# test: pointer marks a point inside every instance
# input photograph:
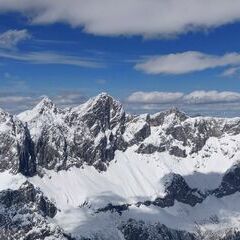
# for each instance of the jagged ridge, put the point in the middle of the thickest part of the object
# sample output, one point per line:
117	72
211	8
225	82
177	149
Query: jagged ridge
47	137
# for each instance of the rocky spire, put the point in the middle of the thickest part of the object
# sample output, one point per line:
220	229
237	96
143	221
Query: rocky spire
27	158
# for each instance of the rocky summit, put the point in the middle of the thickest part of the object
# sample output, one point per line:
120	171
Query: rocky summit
96	172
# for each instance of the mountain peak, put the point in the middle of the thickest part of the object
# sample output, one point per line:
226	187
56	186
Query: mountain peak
98	101
44	107
45	102
102	96
101	110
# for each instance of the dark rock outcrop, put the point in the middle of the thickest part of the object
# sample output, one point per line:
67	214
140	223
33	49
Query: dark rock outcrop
27	194
114	208
177	189
24	215
139	230
27	159
230	182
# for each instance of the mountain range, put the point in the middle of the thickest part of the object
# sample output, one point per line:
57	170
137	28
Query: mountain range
97	172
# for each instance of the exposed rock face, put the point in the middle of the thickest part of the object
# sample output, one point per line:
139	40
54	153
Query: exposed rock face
139	230
92	132
27	159
231	235
186	132
24	215
16	147
25	195
230	182
177	189
114	208
99	124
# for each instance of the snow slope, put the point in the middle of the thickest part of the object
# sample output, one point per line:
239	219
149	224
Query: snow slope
131	178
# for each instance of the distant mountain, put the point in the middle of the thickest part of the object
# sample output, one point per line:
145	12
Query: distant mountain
97	172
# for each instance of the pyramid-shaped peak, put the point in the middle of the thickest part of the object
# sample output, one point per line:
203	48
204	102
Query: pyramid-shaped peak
102	96
100	101
45	107
45	103
102	110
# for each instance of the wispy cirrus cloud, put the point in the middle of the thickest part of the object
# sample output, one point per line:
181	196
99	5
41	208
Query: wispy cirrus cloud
45	57
8	50
149	18
186	62
12	38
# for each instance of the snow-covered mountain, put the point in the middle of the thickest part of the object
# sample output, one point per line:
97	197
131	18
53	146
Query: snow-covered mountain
97	172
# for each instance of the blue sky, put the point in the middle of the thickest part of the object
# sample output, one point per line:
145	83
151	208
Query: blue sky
174	59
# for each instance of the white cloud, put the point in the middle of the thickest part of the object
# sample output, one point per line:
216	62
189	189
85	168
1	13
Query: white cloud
69	98
17	101
51	58
154	97
198	102
195	97
205	97
14	99
161	18
186	62
11	38
230	71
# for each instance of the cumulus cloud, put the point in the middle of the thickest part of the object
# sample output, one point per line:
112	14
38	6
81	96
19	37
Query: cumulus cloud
186	62
148	18
195	97
199	97
11	38
211	103
51	58
198	102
